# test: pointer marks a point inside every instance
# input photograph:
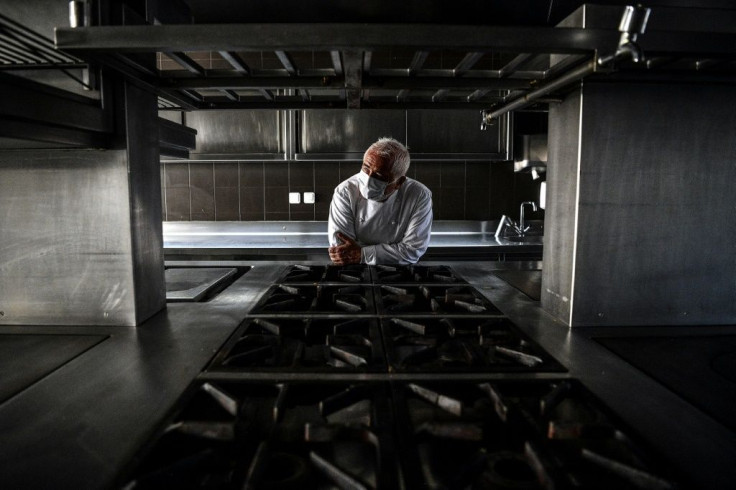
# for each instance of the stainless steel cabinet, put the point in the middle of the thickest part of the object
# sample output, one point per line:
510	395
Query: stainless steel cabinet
340	134
429	134
331	133
237	135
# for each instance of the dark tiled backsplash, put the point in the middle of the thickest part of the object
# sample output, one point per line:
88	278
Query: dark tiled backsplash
258	191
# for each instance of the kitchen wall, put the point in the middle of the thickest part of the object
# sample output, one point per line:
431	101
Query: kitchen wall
239	187
258	191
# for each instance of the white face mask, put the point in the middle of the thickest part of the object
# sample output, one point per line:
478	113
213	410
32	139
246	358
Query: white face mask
372	188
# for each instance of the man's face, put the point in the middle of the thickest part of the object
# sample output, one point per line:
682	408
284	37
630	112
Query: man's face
380	168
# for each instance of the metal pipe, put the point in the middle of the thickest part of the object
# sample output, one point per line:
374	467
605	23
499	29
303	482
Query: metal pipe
573	75
633	22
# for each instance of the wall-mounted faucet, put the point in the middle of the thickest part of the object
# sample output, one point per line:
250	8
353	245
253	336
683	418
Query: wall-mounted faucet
521	217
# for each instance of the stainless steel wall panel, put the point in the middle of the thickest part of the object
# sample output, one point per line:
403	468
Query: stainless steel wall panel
657	202
236	132
173	116
343	131
560	213
144	205
652	238
452	131
82	241
65	246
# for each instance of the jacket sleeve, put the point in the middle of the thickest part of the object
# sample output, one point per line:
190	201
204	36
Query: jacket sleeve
413	244
341	218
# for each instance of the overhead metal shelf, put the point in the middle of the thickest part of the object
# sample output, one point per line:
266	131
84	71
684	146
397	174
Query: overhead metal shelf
403	66
22	48
301	66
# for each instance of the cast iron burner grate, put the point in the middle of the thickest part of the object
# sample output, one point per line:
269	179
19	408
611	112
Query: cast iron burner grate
413	274
307	344
288	299
452	434
438	300
463	344
235	435
515	434
309	274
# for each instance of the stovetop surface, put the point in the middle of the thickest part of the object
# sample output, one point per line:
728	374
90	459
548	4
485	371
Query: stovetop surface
532	434
327	383
86	423
379	274
378	319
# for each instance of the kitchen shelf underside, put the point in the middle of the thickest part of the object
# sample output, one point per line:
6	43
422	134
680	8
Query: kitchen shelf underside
363	66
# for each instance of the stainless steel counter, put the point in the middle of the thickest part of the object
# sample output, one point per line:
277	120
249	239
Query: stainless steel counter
80	425
309	239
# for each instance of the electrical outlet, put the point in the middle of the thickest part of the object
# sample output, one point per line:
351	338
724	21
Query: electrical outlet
294	198
309	198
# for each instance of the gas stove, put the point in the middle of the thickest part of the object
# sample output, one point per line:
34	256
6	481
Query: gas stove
411	274
388	378
515	434
309	274
467	344
276	436
432	300
382	274
381	344
285	299
315	344
531	434
378	319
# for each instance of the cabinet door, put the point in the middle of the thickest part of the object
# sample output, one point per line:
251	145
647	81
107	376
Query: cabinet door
236	132
348	133
454	132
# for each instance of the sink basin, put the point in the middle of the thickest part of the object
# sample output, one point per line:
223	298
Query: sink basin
525	239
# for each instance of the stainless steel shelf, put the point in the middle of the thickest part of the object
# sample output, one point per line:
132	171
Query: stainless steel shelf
381	65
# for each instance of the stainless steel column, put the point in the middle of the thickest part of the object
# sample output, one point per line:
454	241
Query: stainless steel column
639	223
80	230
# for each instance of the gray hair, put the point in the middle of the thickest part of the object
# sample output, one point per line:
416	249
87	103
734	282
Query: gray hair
394	152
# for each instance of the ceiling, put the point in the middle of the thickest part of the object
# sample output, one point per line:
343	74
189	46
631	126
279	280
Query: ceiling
461	12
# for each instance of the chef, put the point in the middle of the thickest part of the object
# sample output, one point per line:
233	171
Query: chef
379	215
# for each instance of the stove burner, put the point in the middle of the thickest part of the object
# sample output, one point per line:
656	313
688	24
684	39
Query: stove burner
264	429
348	273
285	299
355	274
464	343
457	434
507	470
429	434
452	300
302	273
410	274
297	435
316	344
283	471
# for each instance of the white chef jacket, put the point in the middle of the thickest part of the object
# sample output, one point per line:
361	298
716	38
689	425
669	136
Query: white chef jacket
395	231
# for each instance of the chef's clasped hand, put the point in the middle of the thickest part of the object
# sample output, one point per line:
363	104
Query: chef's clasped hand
348	252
